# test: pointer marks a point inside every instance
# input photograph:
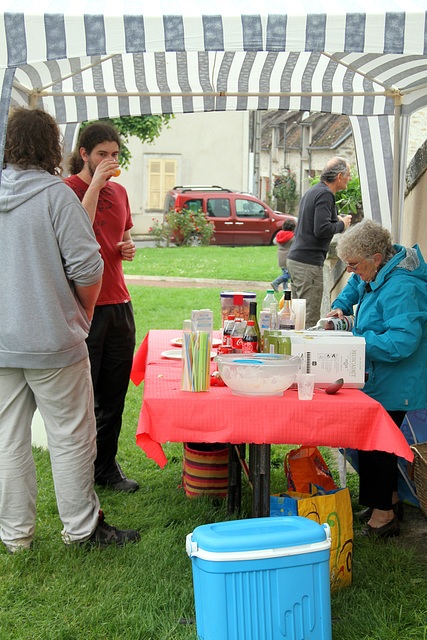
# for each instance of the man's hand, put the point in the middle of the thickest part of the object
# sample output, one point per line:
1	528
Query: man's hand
103	172
127	249
347	221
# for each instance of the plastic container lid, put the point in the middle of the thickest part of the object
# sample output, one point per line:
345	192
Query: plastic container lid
256	538
266	359
231	294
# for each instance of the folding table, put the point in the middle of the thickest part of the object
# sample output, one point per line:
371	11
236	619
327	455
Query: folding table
349	418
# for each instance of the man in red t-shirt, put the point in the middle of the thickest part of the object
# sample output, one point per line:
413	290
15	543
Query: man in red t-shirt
111	340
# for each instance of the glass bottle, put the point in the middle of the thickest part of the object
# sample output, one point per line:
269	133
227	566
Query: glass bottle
335	324
250	341
287	315
253	316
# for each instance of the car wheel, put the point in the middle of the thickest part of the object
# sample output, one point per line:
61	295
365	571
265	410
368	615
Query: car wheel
194	241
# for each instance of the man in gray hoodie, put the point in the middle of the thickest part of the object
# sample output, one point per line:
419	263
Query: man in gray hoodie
51	274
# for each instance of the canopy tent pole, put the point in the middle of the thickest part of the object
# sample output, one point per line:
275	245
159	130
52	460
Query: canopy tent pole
395	205
42	93
404	138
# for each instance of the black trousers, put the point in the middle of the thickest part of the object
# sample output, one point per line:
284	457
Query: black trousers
378	474
111	344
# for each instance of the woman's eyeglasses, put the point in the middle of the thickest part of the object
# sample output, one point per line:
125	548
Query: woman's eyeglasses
352	266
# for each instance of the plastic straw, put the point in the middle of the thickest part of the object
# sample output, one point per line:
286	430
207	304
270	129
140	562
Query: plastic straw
196	361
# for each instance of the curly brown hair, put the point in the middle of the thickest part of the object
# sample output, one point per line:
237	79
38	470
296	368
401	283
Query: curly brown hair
33	139
362	240
92	135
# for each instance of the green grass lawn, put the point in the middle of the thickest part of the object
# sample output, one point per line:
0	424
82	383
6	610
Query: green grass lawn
143	591
225	263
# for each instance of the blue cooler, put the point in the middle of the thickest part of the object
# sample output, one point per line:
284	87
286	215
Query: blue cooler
261	579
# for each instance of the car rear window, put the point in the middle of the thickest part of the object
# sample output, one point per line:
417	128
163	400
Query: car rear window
194	205
169	203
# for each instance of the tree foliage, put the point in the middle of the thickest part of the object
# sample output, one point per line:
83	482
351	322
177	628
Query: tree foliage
285	191
146	128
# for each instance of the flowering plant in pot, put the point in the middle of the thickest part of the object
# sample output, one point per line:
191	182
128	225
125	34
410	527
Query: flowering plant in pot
183	227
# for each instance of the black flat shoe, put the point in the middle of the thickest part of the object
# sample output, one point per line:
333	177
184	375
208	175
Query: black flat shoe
366	514
125	485
389	530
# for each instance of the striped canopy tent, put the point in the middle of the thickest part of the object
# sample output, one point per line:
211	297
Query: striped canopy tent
89	59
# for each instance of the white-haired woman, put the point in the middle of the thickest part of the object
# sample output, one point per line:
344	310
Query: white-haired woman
389	286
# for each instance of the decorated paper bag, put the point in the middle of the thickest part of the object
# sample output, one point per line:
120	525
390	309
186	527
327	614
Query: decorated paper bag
334	508
305	466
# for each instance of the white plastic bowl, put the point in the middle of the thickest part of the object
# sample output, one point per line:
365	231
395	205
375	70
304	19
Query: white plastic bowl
258	374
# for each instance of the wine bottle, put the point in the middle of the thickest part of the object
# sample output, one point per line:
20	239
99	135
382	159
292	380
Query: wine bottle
253	316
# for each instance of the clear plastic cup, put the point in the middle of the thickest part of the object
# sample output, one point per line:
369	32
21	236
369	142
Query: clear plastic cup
305	386
299	306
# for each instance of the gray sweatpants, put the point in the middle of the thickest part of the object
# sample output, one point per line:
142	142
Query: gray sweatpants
307	282
64	398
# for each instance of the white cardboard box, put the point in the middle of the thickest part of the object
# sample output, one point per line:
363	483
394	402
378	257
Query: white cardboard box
331	355
202	320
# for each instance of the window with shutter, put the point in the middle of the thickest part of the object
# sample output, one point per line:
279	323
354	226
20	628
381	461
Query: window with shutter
161	177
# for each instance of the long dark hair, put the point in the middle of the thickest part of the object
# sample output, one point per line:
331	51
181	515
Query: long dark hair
33	139
90	136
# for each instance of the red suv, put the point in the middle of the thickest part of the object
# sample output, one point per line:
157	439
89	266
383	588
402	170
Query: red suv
239	218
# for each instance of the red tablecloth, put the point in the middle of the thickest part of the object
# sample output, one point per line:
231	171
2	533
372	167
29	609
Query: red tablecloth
348	419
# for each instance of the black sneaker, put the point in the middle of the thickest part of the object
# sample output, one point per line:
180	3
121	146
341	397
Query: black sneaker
106	535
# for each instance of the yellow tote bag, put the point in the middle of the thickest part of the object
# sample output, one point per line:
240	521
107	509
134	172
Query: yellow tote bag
334	508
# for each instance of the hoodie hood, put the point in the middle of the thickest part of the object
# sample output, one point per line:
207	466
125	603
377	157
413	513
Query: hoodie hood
284	236
19	185
408	259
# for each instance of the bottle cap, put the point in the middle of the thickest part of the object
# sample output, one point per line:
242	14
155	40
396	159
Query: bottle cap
230	317
251	323
287	295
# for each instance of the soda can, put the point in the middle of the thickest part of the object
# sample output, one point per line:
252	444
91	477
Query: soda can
224	348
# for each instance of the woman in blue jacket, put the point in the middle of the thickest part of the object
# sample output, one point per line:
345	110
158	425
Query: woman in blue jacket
389	286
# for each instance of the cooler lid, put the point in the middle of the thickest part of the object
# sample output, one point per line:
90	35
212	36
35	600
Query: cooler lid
292	534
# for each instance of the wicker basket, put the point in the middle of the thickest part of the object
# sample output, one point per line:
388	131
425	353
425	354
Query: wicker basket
420	473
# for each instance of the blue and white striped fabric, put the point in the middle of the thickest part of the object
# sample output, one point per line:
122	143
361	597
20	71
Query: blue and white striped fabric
89	59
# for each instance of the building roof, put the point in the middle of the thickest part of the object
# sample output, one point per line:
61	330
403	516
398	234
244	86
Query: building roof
328	130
